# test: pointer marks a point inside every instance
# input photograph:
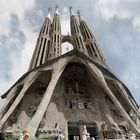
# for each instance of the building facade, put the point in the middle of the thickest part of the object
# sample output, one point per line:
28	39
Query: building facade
72	96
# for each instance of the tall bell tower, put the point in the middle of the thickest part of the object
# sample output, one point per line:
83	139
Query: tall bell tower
71	96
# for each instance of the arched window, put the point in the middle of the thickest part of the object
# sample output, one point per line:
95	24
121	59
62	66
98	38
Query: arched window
66	47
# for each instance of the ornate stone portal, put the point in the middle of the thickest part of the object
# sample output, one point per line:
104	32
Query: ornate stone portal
72	96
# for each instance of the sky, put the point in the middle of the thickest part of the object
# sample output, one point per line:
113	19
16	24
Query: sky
114	23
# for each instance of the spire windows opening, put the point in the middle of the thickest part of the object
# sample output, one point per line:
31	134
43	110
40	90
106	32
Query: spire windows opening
44	27
97	50
55	38
93	49
44	45
89	50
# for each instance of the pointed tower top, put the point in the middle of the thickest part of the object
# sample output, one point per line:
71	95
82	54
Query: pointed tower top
49	12
79	15
71	11
57	9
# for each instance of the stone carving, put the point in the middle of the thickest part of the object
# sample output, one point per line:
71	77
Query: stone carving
104	126
108	100
58	134
14	114
40	90
111	131
74	82
55	131
32	109
68	103
86	135
132	136
13	117
115	127
133	116
116	113
74	103
82	103
76	138
90	104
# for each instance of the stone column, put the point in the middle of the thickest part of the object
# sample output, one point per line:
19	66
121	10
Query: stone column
81	129
125	97
8	99
99	76
98	129
30	80
34	123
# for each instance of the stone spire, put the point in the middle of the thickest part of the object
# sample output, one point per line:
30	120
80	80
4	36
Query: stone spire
57	9
55	49
76	33
79	16
71	11
41	51
49	13
90	41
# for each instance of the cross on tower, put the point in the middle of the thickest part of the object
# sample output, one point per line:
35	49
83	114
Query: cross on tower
67	48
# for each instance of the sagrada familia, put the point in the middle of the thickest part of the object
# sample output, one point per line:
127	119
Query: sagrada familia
71	96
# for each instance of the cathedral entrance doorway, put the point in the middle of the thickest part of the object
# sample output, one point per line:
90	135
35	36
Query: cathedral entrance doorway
73	131
91	129
84	131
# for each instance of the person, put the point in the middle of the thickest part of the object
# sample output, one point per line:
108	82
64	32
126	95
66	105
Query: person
1	136
24	135
132	136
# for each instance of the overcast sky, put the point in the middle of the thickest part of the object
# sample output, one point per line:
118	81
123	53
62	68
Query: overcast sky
114	23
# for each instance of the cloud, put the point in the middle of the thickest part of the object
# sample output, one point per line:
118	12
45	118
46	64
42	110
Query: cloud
13	37
126	9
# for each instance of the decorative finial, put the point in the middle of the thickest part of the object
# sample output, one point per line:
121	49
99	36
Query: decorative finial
57	9
71	11
79	15
49	12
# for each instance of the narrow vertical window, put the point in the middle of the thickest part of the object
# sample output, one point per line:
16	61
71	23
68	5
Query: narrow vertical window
93	49
44	45
39	51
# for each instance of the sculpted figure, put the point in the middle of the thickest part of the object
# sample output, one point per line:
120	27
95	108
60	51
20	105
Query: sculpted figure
133	116
86	135
68	103
80	104
115	127
132	136
104	127
90	104
32	109
74	103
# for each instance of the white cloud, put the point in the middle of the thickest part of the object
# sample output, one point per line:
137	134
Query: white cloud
8	7
65	21
122	9
17	59
136	23
20	62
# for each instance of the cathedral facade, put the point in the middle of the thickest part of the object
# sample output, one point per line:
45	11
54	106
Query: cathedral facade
73	96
